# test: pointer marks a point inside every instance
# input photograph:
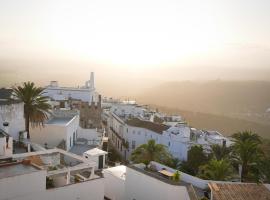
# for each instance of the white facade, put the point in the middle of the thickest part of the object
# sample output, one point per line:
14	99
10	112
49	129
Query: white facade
137	136
125	183
6	145
144	187
115	182
28	181
14	115
96	156
176	138
55	131
86	93
127	109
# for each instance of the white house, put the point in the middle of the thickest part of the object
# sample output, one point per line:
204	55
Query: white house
127	135
97	156
46	175
86	93
62	127
6	145
11	113
133	182
130	126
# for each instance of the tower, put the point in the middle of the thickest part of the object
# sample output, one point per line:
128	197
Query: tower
92	81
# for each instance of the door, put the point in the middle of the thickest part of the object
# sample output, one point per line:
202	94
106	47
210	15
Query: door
100	162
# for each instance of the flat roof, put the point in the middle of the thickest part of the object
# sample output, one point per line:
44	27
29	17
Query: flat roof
59	120
16	169
118	171
95	152
239	191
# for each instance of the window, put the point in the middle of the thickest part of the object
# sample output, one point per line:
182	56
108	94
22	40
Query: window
127	130
133	144
169	143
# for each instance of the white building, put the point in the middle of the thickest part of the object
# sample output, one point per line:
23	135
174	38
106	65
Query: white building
133	182
127	135
86	93
130	126
49	175
97	156
12	113
6	145
62	127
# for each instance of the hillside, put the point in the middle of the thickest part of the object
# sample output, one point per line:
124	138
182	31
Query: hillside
238	99
225	125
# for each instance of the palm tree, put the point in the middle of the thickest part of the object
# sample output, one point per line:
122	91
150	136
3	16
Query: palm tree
220	152
246	151
36	107
151	151
219	170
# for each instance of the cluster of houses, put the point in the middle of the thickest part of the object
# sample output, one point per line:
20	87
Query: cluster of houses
131	125
66	158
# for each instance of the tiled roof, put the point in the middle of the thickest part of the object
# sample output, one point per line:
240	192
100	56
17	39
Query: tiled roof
158	128
239	191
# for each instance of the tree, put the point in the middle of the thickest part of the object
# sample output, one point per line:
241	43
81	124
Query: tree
151	151
196	158
246	151
219	170
220	152
36	107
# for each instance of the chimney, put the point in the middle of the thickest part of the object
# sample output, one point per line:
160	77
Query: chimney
99	100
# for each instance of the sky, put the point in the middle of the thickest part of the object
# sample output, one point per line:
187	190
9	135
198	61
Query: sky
133	44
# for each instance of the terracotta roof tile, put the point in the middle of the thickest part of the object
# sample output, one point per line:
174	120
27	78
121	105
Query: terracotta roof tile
239	191
158	128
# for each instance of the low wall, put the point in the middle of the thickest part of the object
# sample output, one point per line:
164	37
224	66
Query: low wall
200	183
89	134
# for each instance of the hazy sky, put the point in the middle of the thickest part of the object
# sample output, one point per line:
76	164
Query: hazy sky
133	43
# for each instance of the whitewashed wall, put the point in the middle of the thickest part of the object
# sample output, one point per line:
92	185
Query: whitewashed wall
23	186
53	134
114	186
200	183
14	114
75	93
33	186
140	136
143	187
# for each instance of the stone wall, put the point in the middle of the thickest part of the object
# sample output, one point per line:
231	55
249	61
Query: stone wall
90	115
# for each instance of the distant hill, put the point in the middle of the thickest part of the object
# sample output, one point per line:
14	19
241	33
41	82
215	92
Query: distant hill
239	99
226	106
224	124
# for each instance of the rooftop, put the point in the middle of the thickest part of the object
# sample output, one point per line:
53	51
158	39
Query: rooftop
16	169
60	120
95	152
158	128
118	171
5	97
239	191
